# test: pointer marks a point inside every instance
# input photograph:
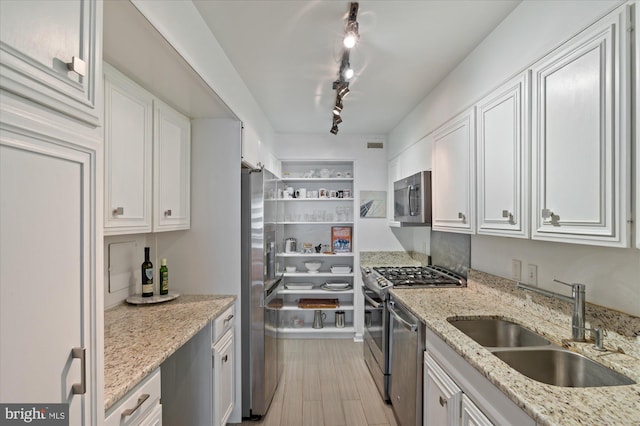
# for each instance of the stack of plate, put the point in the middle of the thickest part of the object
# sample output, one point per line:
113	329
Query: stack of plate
336	286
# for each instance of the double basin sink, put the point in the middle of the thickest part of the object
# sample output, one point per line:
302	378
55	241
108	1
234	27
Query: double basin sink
536	357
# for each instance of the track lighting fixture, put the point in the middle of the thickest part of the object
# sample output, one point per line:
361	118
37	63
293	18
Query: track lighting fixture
345	73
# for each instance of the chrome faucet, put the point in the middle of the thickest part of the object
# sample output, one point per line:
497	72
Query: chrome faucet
577	298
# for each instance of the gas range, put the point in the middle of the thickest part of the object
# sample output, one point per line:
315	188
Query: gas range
382	278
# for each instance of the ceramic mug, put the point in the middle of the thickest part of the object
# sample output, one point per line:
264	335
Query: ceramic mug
301	193
323	193
333	194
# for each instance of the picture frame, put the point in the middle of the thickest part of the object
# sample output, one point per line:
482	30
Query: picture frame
373	204
341	239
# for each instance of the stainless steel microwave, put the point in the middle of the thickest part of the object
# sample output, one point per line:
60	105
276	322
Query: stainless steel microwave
412	199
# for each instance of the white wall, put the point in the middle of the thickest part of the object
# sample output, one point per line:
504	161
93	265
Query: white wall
370	175
180	23
533	29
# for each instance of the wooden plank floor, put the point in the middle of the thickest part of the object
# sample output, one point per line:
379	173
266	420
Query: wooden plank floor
325	383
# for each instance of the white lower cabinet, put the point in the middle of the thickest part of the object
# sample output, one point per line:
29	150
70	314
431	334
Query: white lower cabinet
470	414
223	378
441	405
140	406
455	393
223	382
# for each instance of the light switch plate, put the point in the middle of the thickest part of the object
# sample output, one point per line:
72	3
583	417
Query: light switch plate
516	269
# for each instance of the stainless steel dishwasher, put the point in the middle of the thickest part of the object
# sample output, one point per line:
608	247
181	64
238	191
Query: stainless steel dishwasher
407	348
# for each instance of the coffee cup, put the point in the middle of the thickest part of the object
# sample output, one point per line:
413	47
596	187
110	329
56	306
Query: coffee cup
333	194
323	193
301	193
338	174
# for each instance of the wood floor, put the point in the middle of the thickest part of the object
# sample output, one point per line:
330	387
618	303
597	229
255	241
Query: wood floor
326	382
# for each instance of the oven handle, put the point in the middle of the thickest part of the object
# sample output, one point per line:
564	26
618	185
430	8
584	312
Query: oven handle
407	325
369	299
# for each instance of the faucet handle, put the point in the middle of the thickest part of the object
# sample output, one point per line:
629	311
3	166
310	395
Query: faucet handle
573	285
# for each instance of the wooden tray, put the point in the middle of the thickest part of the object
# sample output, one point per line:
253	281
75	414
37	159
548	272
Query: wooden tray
318	303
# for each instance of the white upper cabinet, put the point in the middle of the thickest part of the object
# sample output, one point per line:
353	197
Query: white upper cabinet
171	169
128	153
453	176
49	53
580	137
502	160
250	146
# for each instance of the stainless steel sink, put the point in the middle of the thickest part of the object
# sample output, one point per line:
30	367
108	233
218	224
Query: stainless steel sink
561	368
498	333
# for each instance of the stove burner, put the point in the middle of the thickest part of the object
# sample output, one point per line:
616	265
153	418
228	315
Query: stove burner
419	276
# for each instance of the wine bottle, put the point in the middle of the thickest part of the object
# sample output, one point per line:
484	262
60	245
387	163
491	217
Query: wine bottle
147	275
164	277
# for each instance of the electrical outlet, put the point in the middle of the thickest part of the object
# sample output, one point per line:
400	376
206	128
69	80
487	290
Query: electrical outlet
516	269
532	274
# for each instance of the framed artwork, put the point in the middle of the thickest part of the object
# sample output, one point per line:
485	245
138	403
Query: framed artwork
373	204
341	239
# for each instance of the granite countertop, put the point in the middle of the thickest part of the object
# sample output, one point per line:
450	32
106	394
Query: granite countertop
138	338
487	295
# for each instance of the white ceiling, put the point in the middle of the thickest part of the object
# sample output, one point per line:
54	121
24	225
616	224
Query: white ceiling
288	54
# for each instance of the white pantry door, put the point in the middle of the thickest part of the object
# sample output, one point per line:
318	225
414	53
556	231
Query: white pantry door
45	267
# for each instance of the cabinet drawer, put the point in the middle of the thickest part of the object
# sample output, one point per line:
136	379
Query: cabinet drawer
142	400
222	323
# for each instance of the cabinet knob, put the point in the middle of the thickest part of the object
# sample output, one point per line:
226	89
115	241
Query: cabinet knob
78	66
167	212
118	211
443	402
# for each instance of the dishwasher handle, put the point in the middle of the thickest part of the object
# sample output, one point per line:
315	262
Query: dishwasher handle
368	298
402	321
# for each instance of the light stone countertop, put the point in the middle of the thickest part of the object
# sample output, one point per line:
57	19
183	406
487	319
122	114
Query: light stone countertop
138	338
488	295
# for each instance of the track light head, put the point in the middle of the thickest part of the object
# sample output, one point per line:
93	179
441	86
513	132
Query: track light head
351	35
334	129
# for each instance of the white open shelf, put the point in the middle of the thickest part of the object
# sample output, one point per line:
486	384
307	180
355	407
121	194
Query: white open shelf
319	223
316	291
293	306
329	179
326	331
319	274
349	254
318	199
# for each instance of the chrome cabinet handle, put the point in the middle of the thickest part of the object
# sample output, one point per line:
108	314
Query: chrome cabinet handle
141	401
81	354
167	212
78	66
507	214
443	402
461	216
375	304
549	216
227	319
225	358
118	211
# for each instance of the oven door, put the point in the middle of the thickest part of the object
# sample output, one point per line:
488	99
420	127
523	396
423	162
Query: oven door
376	324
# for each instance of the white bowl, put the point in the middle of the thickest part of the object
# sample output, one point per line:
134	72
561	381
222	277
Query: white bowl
312	266
290	268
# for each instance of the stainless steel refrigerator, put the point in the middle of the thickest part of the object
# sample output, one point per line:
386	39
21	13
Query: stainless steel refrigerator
261	278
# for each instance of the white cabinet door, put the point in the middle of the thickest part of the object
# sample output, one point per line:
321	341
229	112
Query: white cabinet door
154	418
453	175
441	396
171	169
502	161
48	279
580	137
223	379
38	39
471	414
251	150
128	153
416	158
